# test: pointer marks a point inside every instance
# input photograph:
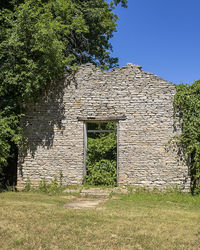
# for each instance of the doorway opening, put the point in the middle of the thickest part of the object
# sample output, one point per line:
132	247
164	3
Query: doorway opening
101	154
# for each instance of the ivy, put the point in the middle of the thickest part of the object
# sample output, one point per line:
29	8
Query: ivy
187	105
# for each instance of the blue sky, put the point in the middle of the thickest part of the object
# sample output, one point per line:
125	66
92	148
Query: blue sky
163	36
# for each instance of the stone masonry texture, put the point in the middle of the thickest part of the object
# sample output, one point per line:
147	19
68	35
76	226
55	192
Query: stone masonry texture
54	136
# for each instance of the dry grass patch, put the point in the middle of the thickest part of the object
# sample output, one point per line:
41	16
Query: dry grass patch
135	221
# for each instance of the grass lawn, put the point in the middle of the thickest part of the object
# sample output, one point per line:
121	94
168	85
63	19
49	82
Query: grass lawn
136	221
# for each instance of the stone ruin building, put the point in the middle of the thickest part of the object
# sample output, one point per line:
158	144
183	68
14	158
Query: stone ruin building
55	129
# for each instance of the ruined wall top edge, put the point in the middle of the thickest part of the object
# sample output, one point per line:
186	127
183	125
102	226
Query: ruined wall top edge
127	69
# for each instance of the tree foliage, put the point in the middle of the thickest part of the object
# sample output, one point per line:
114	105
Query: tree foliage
187	103
39	40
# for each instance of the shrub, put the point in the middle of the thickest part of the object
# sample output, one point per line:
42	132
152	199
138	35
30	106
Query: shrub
102	172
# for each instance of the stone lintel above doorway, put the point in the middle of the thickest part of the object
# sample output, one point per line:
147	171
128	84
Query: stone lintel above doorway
99	119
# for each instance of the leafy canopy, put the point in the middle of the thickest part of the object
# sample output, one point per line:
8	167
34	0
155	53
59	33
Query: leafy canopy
39	40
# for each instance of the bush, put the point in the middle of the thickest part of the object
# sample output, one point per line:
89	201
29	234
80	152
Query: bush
102	172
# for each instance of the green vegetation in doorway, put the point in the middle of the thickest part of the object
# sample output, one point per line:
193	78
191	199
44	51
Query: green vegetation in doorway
101	160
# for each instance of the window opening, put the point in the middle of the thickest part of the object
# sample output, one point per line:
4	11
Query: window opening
101	153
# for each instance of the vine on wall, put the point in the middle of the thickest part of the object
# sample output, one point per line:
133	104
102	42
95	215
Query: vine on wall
187	105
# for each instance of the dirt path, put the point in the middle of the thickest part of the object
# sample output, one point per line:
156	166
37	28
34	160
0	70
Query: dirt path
85	204
91	197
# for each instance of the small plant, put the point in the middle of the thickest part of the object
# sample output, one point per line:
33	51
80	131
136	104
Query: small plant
53	187
50	188
60	177
130	189
27	185
43	185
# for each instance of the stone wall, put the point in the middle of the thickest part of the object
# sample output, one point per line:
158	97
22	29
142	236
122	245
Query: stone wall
54	135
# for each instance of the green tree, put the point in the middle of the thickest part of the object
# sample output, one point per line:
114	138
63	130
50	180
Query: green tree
39	40
187	104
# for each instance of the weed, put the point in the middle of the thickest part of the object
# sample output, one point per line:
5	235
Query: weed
27	186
